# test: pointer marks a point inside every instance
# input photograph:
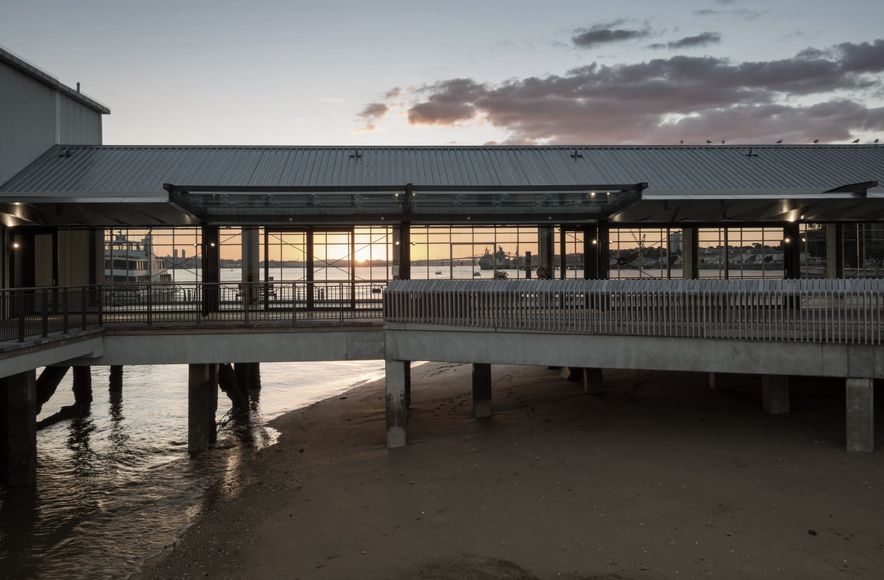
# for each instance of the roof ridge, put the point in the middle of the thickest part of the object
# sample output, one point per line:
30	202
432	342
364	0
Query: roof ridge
47	79
741	147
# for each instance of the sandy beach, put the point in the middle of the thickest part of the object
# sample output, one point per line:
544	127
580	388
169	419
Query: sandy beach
658	478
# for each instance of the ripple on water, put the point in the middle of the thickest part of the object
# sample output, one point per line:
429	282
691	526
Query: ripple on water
117	487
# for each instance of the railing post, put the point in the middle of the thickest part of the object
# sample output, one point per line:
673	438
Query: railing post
294	302
44	315
66	309
100	308
246	298
21	316
341	301
149	303
87	298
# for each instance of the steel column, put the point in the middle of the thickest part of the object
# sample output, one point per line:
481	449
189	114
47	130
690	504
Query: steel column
792	251
834	251
690	250
211	269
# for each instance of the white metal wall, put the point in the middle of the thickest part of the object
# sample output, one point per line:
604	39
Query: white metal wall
78	125
33	117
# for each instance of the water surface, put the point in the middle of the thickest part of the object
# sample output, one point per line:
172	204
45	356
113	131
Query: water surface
117	486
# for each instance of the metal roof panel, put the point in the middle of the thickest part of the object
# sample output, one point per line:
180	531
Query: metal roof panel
670	171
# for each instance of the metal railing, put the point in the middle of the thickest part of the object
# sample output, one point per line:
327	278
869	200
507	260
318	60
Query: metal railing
35	312
27	313
833	311
819	311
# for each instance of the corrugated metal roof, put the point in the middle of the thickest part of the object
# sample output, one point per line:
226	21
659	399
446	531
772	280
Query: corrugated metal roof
31	70
709	172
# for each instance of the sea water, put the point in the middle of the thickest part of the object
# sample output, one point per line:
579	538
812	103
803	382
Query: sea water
118	486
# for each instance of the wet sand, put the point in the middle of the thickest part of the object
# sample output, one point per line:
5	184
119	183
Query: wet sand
659	478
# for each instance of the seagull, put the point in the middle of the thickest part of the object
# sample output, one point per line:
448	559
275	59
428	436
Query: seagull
875	141
815	141
779	141
855	141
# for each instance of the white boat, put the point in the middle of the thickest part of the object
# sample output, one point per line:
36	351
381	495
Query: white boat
128	262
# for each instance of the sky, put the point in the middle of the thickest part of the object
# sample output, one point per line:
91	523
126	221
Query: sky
465	72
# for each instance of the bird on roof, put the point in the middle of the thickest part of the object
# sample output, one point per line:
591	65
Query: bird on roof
815	141
855	141
779	141
722	141
875	141
708	142
681	142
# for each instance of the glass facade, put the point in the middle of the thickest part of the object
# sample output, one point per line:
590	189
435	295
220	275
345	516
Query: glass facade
644	253
863	250
443	252
741	252
368	253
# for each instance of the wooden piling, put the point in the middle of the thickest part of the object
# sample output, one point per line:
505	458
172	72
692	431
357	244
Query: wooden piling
18	429
83	386
116	379
47	384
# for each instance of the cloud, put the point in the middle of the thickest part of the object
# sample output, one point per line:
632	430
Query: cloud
863	57
702	39
371	113
373	110
668	99
449	102
742	13
606	34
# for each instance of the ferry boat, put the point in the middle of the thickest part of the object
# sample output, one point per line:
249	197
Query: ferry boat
130	262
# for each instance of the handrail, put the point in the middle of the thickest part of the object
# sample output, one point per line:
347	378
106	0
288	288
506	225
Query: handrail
37	312
845	311
823	311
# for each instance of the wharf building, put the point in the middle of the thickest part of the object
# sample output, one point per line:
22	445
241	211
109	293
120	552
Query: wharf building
236	255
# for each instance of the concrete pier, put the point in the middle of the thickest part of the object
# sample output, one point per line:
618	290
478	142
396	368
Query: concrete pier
116	379
775	394
396	384
407	385
18	429
481	390
860	394
593	381
721	381
202	402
